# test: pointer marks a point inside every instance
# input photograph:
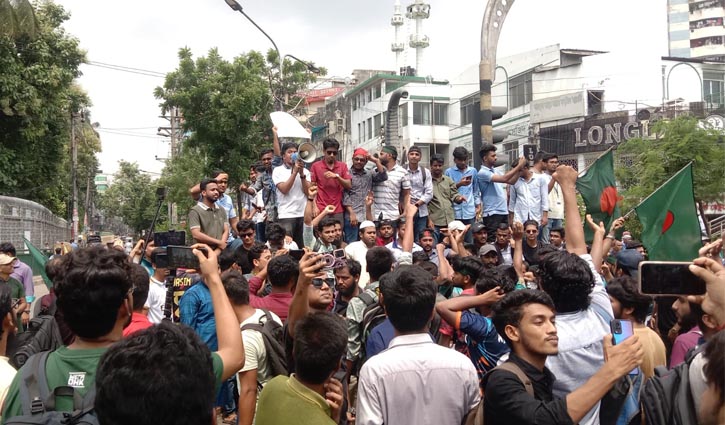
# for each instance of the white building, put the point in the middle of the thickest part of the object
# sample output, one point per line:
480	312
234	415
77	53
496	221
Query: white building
695	29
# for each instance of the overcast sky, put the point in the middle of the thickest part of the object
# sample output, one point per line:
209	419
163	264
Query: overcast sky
340	35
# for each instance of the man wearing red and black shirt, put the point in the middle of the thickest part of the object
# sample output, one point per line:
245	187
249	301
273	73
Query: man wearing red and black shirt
282	272
331	177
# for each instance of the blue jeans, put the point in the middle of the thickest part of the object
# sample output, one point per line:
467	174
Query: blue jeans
351	232
225	397
420	223
553	223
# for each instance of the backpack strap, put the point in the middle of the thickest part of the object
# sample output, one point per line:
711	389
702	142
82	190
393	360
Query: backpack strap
367	299
267	316
516	370
34	384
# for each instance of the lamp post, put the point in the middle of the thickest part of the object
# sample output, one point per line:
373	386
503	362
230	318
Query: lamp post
493	18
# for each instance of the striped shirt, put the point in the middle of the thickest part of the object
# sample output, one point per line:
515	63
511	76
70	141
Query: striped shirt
421	188
362	183
387	193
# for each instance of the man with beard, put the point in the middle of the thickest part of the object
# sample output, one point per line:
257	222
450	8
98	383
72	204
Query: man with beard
489	256
224	201
503	244
357	250
362	183
386	233
207	221
480	235
392	195
427	240
346	282
331	177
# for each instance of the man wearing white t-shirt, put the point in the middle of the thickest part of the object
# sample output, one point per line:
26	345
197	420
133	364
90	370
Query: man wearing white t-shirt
359	249
256	370
292	181
157	289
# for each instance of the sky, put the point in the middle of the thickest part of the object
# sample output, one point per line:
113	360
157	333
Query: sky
340	35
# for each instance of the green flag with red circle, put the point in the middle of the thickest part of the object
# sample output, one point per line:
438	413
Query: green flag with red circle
670	227
599	191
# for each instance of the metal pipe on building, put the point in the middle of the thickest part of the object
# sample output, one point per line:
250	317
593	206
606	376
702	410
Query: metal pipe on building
391	118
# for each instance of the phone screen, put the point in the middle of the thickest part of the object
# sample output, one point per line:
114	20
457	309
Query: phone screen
181	257
296	253
669	278
621	330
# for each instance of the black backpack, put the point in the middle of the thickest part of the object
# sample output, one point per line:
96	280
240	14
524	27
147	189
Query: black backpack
273	335
42	334
666	398
373	315
39	402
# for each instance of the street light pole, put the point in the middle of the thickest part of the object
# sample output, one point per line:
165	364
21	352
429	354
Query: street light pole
234	5
493	18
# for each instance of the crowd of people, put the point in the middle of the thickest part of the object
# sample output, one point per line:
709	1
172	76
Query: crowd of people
390	294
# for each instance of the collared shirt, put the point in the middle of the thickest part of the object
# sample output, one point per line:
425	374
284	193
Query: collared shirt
581	352
433	256
388	193
440	207
357	251
362	183
466	210
286	401
443	381
421	188
505	256
355	309
556	198
210	220
24	274
507	402
398	251
197	312
493	194
156	300
265	184
329	191
292	204
225	201
529	199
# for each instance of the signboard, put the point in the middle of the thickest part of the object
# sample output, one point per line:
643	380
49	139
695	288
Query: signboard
591	135
530	153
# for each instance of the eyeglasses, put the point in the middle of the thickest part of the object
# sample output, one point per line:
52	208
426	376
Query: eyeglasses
331	152
318	281
247	235
532	231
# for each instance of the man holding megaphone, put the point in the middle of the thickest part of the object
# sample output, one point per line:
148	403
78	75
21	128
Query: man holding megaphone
331	177
292	183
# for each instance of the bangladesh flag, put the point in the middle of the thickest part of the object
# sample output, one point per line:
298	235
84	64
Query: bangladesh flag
40	259
599	191
670	227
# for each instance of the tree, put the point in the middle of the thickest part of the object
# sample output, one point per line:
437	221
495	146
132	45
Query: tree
37	96
650	162
131	197
17	19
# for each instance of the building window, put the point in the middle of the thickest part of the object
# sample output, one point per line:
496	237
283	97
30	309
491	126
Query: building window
468	106
421	113
370	129
520	90
354	103
369	94
440	114
377	122
713	87
360	132
706	41
403	114
702	23
378	90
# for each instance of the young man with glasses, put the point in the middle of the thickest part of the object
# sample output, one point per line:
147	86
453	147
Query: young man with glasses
331	177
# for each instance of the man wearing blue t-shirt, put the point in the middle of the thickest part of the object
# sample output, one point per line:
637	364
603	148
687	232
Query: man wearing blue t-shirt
493	190
467	184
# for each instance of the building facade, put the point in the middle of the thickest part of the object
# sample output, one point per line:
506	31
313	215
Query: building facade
696	30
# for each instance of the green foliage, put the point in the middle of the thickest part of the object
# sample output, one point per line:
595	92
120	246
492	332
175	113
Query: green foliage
131	197
17	19
654	161
36	97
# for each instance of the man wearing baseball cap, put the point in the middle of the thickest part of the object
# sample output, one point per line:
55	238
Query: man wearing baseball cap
357	250
480	235
353	200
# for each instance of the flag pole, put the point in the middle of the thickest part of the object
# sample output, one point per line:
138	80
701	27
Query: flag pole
658	188
582	172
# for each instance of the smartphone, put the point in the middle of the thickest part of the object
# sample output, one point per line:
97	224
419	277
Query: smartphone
669	278
339	253
171	237
296	253
181	257
621	330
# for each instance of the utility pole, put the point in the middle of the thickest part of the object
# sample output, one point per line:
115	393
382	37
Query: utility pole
74	174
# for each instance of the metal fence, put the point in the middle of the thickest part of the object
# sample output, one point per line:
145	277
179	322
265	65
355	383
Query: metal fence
20	218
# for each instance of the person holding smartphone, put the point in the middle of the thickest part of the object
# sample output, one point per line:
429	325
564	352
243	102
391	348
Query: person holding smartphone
466	180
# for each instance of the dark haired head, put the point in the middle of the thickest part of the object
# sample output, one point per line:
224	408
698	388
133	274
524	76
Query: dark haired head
714	369
503	276
515	162
460	153
204	182
539	156
437	158
419	257
265	151
53	267
287	146
559	230
236	287
503	226
509	310
155	254
6	304
548	156
545	250
140	279
187	368
379	261
352	266
624	289
327	222
430	267
409	295
215	173
320	341
275	233
8	248
226	259
567	279
486	148
281	269
468	266
255	253
330	142
528	223
243	225
92	285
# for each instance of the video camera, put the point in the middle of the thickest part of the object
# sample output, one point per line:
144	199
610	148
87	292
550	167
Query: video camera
177	257
172	237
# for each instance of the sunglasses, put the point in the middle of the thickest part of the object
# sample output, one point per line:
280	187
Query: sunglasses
318	282
532	231
247	235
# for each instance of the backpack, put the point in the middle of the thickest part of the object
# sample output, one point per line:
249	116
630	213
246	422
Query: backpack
273	336
42	334
666	398
39	402
476	415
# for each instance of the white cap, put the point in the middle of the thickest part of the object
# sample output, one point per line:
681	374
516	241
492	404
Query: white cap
366	224
456	225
